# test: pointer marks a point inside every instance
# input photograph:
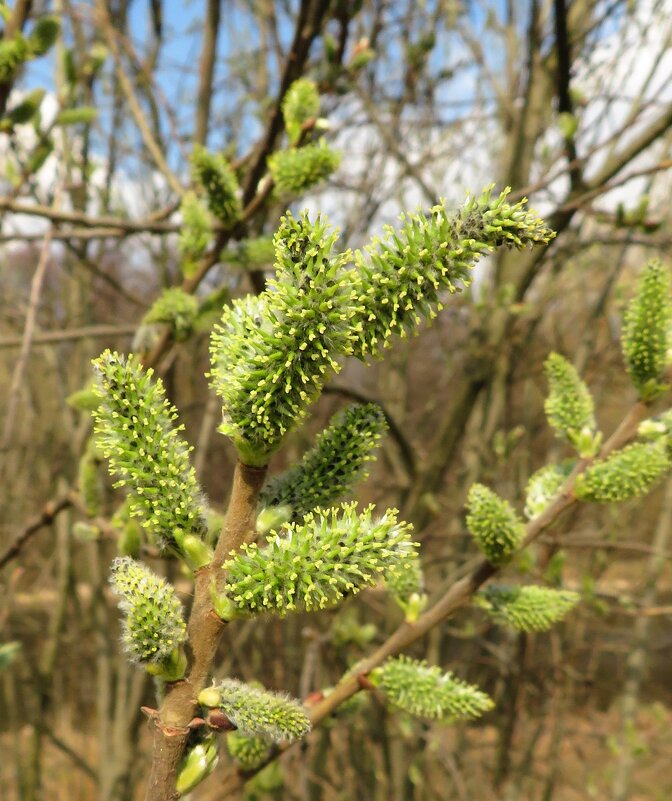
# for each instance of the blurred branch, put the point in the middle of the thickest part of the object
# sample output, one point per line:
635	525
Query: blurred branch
45	518
206	70
26	341
71	334
150	224
138	115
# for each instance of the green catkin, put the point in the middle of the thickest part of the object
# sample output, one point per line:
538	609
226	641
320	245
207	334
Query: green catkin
312	565
153	625
23	112
135	430
494	524
544	485
297	170
427	692
257	712
272	354
14	53
569	406
625	474
90	484
251	254
195	232
213	173
300	104
250	752
43	36
528	608
407	587
646	331
198	763
402	275
333	466
175	308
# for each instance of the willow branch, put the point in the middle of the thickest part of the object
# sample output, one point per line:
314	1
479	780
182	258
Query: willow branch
45	518
203	632
457	596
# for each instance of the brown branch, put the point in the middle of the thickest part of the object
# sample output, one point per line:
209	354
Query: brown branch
150	224
203	632
206	70
45	518
72	334
308	25
26	342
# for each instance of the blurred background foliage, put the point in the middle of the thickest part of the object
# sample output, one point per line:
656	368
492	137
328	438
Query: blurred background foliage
566	101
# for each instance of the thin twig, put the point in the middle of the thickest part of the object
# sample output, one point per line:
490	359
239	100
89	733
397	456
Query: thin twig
133	103
72	334
45	518
26	341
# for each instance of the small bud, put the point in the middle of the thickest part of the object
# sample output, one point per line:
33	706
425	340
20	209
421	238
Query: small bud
273	517
196	553
209	697
197	765
172	668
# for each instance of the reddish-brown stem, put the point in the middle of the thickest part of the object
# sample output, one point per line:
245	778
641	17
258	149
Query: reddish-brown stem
203	631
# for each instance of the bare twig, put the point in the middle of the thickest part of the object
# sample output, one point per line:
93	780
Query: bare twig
133	103
45	518
26	341
91	331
